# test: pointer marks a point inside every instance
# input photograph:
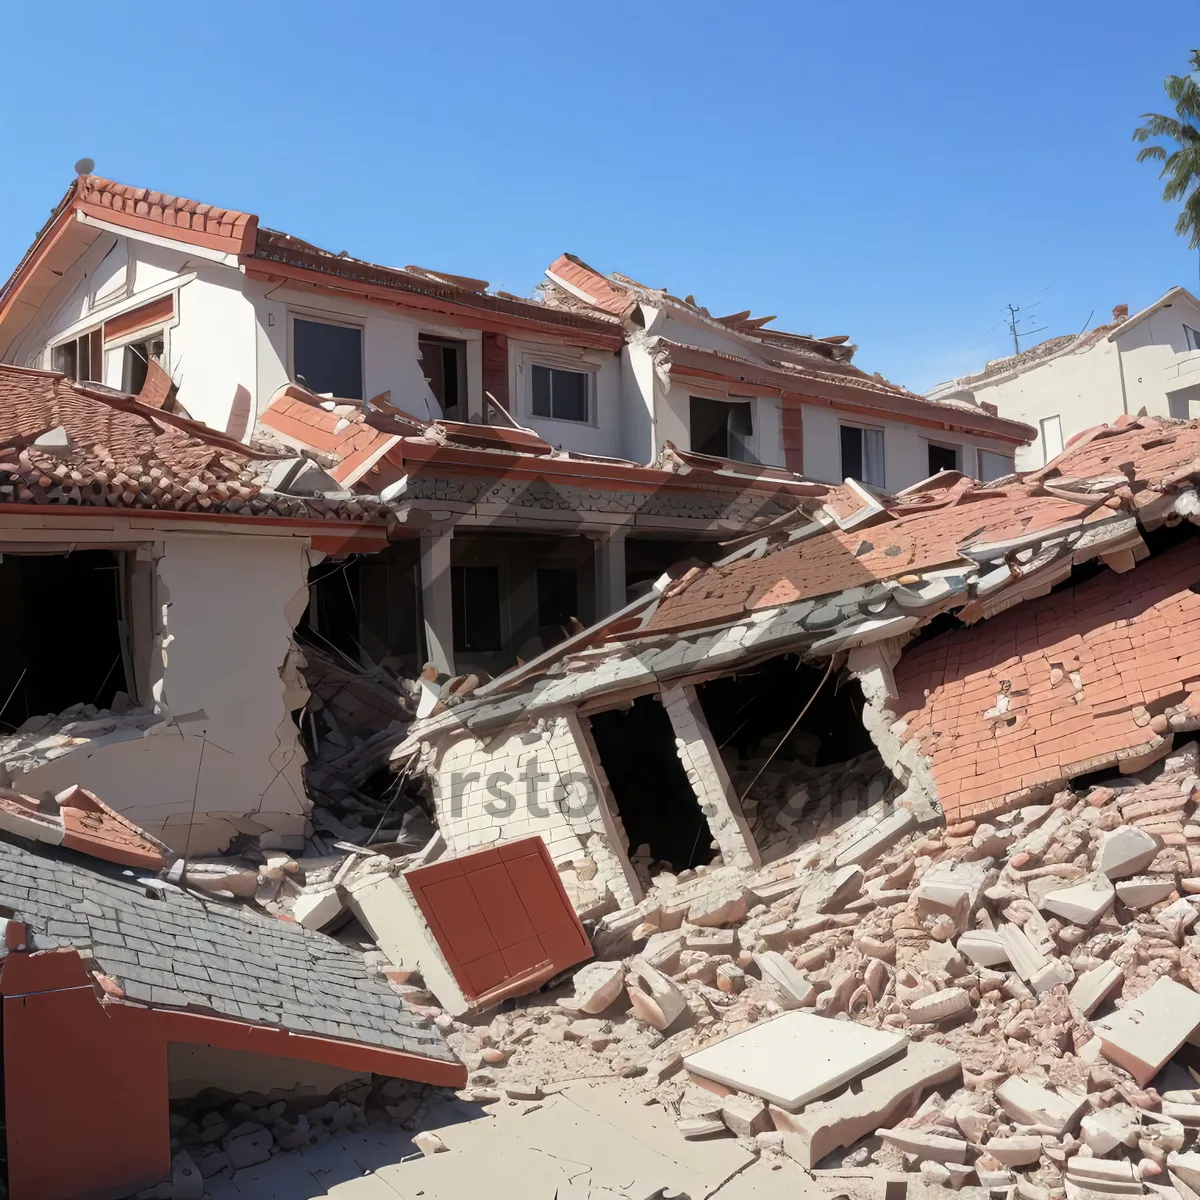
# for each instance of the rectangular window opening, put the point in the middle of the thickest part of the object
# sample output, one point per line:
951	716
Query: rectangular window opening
557	596
722	428
327	358
136	358
1191	337
862	454
558	393
942	458
444	365
475	608
82	358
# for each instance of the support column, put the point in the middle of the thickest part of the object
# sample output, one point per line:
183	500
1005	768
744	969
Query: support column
710	781
437	610
610	573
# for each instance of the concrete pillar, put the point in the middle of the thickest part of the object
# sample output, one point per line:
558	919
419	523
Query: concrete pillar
437	609
706	772
610	573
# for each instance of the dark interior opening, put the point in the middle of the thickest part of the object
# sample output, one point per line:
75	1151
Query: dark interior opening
722	428
63	619
654	798
942	458
557	596
752	711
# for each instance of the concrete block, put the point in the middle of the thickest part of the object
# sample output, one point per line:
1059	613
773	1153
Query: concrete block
745	1117
941	1006
1082	902
1026	959
1057	971
1145	890
926	1146
319	908
983	947
655	999
1144	1034
795	1058
1019	1151
1029	1103
597	985
792	987
885	1096
867	844
1093	986
1183	912
1124	851
1103	1131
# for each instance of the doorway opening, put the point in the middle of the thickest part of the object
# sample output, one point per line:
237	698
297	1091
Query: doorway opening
655	801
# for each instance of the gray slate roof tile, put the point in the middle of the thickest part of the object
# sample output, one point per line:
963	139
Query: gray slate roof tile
180	951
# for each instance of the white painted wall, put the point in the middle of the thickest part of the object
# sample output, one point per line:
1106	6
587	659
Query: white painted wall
604	432
905	447
227	606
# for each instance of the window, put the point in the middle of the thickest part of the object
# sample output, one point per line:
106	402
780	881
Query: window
993	465
560	394
722	428
862	454
1052	442
136	360
942	458
475	607
444	364
1192	337
557	596
82	358
327	358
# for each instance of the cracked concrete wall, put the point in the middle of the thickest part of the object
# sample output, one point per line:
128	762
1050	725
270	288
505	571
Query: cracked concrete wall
541	781
223	756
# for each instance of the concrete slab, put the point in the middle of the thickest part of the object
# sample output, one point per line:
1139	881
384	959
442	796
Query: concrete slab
1148	1030
1029	1103
795	1058
881	1098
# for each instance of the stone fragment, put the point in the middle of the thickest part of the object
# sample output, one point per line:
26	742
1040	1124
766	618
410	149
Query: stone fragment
792	988
720	905
655	999
1082	902
248	1149
1018	1151
1144	1034
923	1145
1182	913
1093	986
1124	851
881	1097
1029	1103
941	1006
983	947
1057	971
597	986
1105	1130
320	907
1143	891
429	1143
698	1127
745	1117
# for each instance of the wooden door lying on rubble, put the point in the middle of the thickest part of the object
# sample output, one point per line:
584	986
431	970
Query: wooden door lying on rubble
502	919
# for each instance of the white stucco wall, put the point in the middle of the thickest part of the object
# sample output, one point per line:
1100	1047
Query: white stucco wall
226	607
905	447
603	433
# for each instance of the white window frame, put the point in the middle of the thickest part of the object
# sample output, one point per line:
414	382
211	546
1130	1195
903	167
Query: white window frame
980	451
316	317
65	339
528	362
882	483
1056	418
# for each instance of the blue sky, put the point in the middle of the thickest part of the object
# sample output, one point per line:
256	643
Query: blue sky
895	172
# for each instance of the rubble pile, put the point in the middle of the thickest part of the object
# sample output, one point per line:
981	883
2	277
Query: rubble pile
43	738
353	720
216	1133
1034	973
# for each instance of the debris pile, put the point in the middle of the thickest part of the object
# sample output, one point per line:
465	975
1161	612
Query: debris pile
353	720
1027	987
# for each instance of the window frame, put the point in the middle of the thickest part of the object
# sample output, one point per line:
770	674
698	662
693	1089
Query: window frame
320	318
97	331
444	342
957	451
575	368
1047	457
1191	338
863	428
980	451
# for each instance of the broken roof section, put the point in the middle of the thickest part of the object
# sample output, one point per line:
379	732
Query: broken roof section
93	204
800	367
982	718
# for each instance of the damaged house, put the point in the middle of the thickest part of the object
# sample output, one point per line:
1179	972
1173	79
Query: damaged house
979	642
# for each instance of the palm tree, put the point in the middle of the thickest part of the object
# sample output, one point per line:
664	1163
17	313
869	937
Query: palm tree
1181	167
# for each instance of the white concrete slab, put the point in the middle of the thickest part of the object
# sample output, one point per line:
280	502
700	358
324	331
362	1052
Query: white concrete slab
1148	1030
795	1058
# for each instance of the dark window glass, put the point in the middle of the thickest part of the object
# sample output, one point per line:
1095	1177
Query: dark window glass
557	590
560	394
721	428
942	458
475	605
443	363
65	359
852	452
328	358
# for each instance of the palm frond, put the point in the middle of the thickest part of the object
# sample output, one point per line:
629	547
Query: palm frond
1155	152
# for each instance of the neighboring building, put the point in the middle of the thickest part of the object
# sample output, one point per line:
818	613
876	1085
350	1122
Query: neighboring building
1148	362
730	386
